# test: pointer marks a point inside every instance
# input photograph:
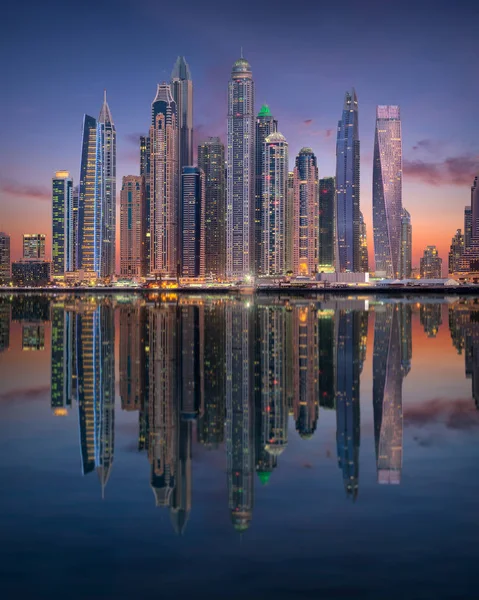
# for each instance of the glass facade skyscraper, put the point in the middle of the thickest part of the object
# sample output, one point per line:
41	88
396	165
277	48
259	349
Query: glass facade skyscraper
4	258
192	222
132	227
327	208
273	209
63	232
240	175
406	245
97	195
211	160
387	191
182	91
363	245
305	214
347	187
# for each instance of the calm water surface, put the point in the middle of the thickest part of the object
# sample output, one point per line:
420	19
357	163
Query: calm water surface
215	447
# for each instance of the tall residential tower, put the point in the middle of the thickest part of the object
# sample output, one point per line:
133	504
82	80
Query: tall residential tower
347	187
240	202
63	234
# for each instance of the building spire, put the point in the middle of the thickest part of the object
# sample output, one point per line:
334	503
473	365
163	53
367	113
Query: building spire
105	113
241	52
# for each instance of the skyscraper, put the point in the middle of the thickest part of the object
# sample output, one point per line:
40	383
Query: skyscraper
387	191
132	227
164	233
240	203
62	348
305	214
34	246
327	208
97	195
347	187
145	162
456	251
211	160
63	231
467	226
107	134
266	124
4	258
363	245
288	225
475	209
182	92
431	263
406	245
273	205
192	243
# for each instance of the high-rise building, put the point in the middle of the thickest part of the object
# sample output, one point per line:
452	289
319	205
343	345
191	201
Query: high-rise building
132	227
387	394
240	173
347	187
182	92
75	196
305	214
475	209
63	231
406	246
31	273
133	356
387	191
430	315
33	337
327	208
107	133
192	243
4	258
97	195
273	205
164	230
145	156
211	160
363	245
5	316
467	226
327	358
455	252
34	246
266	124
430	263
288	224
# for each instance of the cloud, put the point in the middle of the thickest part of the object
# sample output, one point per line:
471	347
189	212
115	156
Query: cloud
35	192
133	138
308	122
32	393
455	170
428	145
460	414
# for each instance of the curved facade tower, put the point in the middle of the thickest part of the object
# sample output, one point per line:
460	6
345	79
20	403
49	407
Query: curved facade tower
273	206
347	187
305	214
107	133
164	184
387	191
240	173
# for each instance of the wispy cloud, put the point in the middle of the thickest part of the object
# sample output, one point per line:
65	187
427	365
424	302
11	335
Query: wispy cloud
133	138
431	146
36	192
455	170
32	393
308	122
458	414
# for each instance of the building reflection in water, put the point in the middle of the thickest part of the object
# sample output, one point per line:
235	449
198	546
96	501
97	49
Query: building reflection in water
230	372
388	373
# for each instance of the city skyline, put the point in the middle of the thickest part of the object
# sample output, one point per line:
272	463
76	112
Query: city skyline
437	160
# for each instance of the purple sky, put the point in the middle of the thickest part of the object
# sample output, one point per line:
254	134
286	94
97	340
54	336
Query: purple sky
424	56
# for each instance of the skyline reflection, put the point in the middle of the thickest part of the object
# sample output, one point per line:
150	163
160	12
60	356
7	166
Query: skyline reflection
237	376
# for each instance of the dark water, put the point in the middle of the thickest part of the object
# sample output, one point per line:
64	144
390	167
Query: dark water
239	448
